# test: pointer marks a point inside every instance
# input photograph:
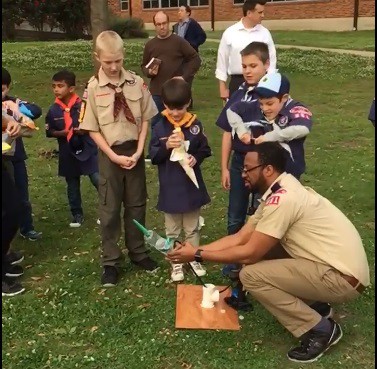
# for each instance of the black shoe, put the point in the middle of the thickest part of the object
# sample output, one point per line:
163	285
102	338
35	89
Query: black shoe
238	304
31	235
77	220
110	276
14	257
147	264
314	344
14	271
11	288
323	308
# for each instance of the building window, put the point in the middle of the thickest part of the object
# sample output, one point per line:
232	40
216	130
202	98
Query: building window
236	2
152	4
123	4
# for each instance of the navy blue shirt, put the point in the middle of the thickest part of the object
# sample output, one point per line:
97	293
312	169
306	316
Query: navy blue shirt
177	193
69	166
33	111
372	113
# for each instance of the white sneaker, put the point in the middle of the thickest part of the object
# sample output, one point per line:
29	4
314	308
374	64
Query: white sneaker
177	273
198	268
98	222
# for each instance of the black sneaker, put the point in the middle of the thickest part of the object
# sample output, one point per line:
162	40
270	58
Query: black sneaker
323	308
238	304
77	220
14	257
314	344
110	276
11	288
14	271
147	264
31	235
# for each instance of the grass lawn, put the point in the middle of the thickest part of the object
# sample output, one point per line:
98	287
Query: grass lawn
66	320
360	40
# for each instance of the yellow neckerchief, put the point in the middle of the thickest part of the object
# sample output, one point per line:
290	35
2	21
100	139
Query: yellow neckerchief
187	120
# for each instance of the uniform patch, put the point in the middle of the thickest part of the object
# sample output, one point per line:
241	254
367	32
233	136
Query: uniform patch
130	82
283	121
301	112
273	200
195	130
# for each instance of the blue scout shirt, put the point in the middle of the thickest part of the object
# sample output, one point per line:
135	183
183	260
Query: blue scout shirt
372	113
32	111
178	194
248	105
69	166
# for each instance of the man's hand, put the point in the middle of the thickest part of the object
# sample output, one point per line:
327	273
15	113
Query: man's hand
191	161
225	179
246	138
154	70
13	128
182	254
259	140
174	141
224	92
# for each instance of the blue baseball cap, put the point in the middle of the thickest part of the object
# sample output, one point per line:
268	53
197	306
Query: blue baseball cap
272	85
82	147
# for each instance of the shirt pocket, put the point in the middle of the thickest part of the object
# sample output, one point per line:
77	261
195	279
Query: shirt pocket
105	109
134	101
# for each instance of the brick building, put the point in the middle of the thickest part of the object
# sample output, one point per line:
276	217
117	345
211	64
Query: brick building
331	15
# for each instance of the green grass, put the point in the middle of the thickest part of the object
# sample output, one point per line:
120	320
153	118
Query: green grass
66	320
360	40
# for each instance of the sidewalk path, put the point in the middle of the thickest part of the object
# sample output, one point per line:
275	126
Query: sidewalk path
368	54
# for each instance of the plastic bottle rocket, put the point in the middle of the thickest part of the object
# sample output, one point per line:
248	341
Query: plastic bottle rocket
153	239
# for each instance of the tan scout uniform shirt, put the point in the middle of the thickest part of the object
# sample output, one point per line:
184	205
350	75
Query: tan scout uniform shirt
309	226
99	115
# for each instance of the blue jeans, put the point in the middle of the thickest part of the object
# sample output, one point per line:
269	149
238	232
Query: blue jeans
22	185
160	106
238	195
74	193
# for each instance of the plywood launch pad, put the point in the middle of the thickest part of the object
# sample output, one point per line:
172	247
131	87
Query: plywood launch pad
190	315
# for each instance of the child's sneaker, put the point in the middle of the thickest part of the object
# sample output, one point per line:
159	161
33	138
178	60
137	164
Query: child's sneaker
77	220
198	268
177	273
31	235
10	287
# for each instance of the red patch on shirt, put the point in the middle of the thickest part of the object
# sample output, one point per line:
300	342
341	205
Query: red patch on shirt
273	200
301	112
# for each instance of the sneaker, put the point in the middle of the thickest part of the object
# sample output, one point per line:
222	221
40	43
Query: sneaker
177	273
110	276
14	271
11	288
147	159
314	344
14	257
147	264
324	309
77	220
198	268
238	300
229	269
31	235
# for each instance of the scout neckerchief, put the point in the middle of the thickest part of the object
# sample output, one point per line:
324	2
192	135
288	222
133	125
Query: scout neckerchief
68	124
187	120
121	103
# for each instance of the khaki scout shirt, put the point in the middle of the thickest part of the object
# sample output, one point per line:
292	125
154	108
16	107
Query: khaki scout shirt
309	226
99	115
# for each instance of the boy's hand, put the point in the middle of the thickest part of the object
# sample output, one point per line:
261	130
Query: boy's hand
191	161
123	161
9	104
154	70
133	161
174	141
246	138
225	179
259	140
13	128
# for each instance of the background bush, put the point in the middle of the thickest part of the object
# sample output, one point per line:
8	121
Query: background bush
128	27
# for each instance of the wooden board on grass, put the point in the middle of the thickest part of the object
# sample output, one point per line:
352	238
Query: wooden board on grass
190	315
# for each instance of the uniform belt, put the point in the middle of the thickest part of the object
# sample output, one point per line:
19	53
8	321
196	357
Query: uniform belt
354	283
237	75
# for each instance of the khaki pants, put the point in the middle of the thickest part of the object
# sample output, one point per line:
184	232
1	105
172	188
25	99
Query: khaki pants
189	222
286	286
119	186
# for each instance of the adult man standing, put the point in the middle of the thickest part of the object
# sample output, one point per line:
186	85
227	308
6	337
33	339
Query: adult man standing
176	55
324	256
236	38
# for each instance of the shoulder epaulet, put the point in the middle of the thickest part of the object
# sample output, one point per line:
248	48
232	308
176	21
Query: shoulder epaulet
131	71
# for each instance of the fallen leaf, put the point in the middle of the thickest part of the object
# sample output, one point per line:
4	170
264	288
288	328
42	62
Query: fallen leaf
36	278
93	329
144	306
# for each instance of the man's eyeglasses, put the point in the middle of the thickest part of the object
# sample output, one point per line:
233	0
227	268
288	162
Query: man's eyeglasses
244	170
161	24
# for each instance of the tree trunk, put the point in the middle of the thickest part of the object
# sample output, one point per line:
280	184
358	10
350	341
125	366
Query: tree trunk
98	21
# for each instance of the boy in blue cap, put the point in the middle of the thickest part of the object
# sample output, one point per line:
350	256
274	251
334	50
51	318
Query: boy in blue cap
18	160
77	151
179	198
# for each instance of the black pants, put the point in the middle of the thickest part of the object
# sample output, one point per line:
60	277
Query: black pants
235	81
10	212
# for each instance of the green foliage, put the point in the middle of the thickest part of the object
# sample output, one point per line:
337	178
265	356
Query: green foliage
128	27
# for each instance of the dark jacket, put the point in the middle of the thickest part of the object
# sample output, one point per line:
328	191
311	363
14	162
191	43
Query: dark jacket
372	113
32	111
194	34
178	194
69	165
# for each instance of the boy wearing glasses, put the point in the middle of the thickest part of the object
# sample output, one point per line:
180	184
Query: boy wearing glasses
177	59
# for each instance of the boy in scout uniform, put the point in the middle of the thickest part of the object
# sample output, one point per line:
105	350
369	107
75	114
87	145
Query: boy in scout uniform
118	108
298	250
